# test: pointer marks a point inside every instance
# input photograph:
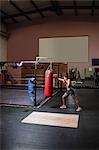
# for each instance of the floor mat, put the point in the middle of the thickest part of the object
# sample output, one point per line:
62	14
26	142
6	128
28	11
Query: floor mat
52	119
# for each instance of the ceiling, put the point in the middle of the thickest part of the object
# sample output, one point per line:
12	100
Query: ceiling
16	11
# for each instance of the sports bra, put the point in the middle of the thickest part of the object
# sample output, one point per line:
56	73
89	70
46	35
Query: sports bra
65	82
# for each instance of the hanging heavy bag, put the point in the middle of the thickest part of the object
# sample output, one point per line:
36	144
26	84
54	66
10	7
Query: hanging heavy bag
48	83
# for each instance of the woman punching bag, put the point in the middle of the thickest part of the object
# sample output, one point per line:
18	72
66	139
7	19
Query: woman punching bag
48	83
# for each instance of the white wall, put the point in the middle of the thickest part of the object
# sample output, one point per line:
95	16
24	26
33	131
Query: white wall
3	43
3	48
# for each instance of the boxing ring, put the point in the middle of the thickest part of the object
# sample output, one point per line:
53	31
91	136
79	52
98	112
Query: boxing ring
19	97
31	95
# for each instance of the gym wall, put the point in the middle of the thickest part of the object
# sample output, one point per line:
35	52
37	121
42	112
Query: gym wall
23	43
3	48
3	43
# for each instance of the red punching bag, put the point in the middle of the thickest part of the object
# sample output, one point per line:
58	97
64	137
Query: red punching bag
48	83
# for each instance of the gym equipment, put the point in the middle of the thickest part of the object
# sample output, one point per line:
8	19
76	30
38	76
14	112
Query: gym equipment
31	88
48	83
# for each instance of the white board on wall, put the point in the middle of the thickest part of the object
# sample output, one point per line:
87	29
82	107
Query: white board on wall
64	49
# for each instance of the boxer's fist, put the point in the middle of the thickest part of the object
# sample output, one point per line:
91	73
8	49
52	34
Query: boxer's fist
55	76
